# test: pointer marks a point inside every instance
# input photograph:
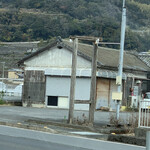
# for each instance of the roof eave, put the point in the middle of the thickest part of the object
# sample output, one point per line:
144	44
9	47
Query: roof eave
37	52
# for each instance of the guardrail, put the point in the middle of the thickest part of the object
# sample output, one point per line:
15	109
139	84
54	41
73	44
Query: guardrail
13	94
144	114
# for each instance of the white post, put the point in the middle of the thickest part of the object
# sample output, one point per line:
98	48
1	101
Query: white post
120	69
148	140
139	121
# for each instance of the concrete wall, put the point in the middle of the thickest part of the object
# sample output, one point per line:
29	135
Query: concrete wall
141	132
60	86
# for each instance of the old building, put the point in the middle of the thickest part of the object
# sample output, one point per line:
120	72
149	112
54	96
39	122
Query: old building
47	76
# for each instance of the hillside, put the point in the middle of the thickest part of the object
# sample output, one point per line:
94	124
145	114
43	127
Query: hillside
30	20
12	52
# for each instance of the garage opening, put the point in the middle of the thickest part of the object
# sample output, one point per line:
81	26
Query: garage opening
52	101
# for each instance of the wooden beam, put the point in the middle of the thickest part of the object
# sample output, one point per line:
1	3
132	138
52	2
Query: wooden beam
108	43
109	93
85	38
93	39
82	101
93	85
73	81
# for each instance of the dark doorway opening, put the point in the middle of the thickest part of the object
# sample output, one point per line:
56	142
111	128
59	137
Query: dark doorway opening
52	101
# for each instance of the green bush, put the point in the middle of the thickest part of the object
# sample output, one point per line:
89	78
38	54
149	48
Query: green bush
2	102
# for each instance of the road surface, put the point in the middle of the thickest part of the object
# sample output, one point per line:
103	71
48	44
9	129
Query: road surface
20	114
22	139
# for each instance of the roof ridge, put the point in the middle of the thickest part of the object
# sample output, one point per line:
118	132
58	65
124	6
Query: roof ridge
92	46
88	55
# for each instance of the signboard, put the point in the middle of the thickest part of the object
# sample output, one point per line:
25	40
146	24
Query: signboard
117	96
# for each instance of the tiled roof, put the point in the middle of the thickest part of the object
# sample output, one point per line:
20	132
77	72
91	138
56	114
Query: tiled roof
110	57
145	59
106	57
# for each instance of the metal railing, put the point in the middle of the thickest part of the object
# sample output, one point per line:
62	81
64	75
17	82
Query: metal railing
144	114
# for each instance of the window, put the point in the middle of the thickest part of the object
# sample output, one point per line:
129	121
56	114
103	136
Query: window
61	102
52	101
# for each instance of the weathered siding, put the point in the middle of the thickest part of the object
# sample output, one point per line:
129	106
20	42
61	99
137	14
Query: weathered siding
102	92
105	87
55	58
34	88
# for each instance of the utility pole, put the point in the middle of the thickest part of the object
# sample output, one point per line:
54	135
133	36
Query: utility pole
93	85
120	69
73	81
92	101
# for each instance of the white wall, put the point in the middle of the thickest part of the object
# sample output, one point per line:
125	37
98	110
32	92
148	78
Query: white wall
54	58
60	86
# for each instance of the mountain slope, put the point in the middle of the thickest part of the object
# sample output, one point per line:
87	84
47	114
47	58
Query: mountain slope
28	20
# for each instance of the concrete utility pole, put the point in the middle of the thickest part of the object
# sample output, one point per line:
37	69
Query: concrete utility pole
120	69
93	85
73	81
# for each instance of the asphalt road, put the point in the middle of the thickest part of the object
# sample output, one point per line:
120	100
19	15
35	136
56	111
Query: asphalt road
19	114
21	139
16	143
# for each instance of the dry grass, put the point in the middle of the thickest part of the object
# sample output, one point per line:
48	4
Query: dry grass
129	124
83	120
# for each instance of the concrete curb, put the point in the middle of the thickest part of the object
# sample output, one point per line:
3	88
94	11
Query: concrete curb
127	139
29	126
42	126
141	132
